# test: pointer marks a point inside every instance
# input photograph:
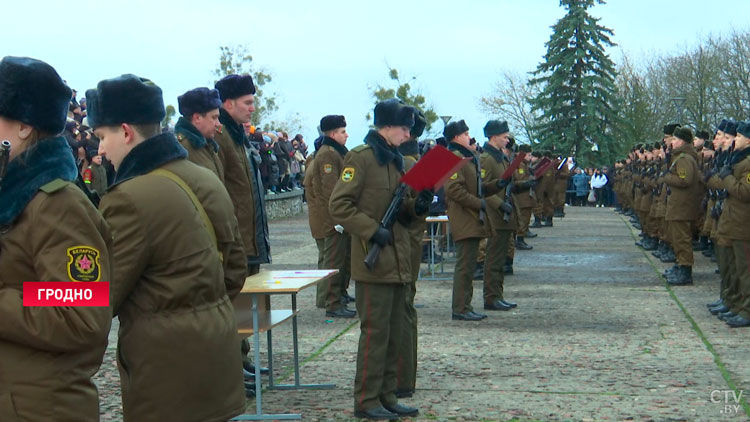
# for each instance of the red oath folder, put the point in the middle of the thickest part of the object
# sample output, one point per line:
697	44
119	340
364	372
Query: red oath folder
542	167
432	170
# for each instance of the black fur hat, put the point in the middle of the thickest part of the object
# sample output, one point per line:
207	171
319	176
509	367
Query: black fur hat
32	92
331	122
669	129
524	148
547	153
722	125
393	112
702	134
420	122
495	127
198	100
743	128
537	154
235	86
731	127
124	99
454	129
684	133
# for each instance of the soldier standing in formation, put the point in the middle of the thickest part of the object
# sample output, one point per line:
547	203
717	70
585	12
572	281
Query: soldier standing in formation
502	212
329	162
360	198
49	231
196	128
465	192
175	233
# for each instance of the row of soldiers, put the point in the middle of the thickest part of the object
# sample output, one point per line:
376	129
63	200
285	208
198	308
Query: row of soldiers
348	193
689	192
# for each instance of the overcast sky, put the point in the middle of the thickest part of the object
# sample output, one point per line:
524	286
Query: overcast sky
324	55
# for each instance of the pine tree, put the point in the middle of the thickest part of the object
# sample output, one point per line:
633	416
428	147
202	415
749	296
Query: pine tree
578	97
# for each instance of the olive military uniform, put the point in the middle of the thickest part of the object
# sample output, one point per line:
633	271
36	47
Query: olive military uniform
329	161
50	231
493	165
464	210
681	208
314	215
172	287
201	151
359	200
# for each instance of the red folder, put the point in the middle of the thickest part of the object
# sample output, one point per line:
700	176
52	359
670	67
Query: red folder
513	166
543	165
432	170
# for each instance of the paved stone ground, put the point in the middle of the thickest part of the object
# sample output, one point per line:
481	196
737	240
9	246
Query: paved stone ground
597	336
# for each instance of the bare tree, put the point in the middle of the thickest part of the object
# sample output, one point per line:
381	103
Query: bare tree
509	101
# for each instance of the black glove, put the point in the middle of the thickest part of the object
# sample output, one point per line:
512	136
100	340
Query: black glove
502	183
423	201
506	208
725	171
708	175
382	237
483	205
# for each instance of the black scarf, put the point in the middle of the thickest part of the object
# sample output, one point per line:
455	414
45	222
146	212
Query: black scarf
236	131
341	149
498	155
384	153
196	139
43	162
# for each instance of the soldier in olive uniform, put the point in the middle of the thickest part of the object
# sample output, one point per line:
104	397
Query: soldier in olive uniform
502	213
682	181
49	231
179	262
315	215
242	178
523	185
561	186
722	243
196	128
465	192
360	199
329	161
407	360
240	161
735	176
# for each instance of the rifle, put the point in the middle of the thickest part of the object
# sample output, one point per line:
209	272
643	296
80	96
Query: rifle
4	158
482	216
509	200
389	218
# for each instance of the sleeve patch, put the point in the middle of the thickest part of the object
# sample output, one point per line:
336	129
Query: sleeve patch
83	263
327	168
347	175
454	176
681	173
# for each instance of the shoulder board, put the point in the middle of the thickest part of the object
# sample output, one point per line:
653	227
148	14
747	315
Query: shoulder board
180	137
53	186
220	129
359	148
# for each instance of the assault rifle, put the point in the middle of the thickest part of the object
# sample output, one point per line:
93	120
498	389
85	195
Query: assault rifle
389	218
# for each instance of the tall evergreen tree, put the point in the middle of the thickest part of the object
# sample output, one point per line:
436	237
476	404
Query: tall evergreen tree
578	99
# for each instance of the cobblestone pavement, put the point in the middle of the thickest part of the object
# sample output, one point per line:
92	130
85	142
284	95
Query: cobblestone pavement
597	336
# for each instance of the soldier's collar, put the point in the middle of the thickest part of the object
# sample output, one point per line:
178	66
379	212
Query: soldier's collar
236	131
384	153
190	132
149	155
341	149
498	155
740	155
45	161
